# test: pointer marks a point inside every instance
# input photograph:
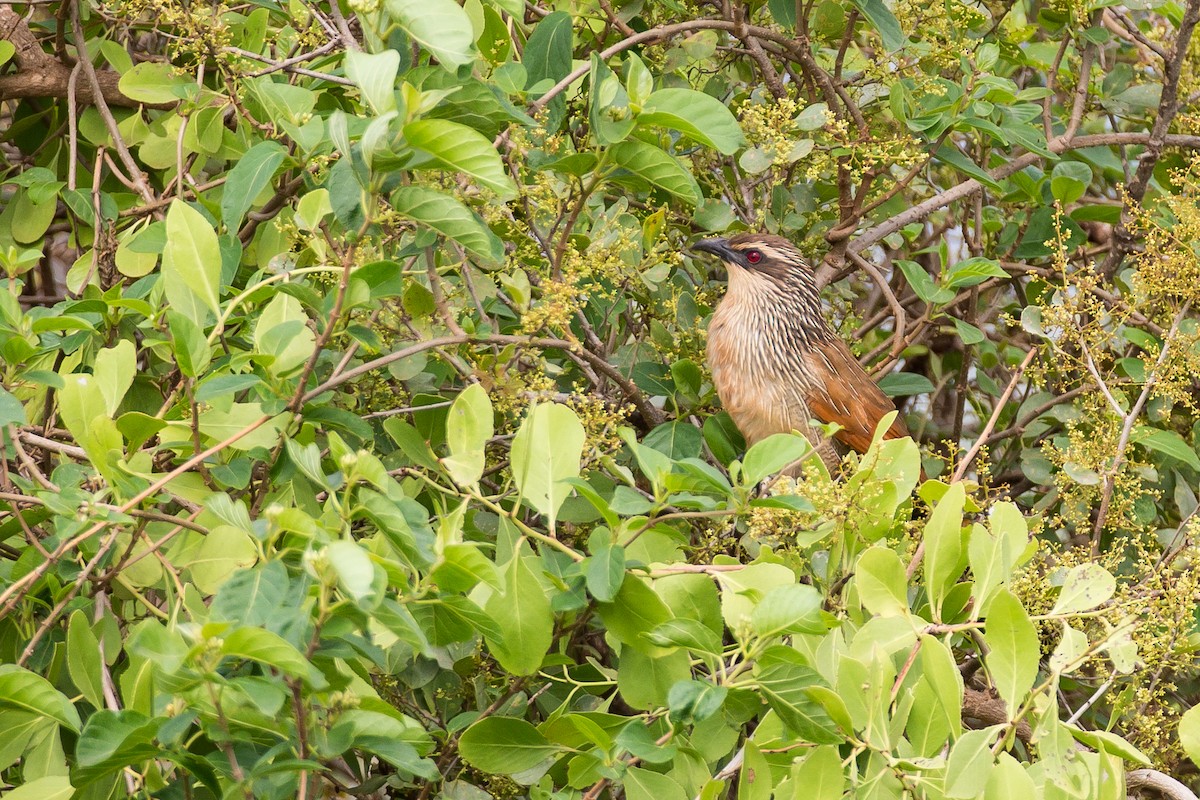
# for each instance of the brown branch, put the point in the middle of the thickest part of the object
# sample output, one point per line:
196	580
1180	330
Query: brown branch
969	187
42	75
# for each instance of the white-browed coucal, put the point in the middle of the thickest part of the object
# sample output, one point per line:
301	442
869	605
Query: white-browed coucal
775	361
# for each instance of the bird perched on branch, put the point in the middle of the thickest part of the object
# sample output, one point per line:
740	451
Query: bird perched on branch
775	362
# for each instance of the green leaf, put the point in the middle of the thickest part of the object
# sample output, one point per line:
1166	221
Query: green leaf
1014	649
701	117
903	384
657	168
642	784
547	450
884	21
252	596
782	678
83	659
606	571
960	161
994	551
461	149
191	263
440	27
249	176
223	551
1042	229
450	218
23	690
634	613
271	649
754	779
1069	181
523	616
694	701
1168	443
505	746
972	272
922	283
547	54
469	426
941	672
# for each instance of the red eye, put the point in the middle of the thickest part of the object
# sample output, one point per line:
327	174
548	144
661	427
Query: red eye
753	256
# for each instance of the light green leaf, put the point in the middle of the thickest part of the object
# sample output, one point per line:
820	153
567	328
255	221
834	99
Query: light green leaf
114	371
1009	779
468	428
156	82
25	691
970	764
375	76
700	116
1069	181
881	581
768	456
355	572
1189	733
547	450
450	218
441	27
794	608
642	784
52	787
249	176
994	551
634	613
523	615
1014	649
1085	586
282	331
943	545
656	167
191	263
461	149
224	550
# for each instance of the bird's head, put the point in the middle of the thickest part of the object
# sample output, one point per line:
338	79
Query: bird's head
763	262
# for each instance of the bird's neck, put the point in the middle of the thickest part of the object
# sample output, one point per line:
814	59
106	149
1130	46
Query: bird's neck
783	308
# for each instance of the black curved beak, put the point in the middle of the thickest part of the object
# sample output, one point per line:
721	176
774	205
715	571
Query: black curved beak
719	248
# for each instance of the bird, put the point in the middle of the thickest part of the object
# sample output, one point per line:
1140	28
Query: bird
775	362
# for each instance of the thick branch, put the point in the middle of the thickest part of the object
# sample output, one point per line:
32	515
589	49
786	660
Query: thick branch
42	75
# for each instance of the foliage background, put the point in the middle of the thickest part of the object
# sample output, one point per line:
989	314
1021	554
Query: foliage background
357	435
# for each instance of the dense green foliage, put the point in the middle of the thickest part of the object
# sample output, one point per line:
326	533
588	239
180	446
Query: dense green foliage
357	435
